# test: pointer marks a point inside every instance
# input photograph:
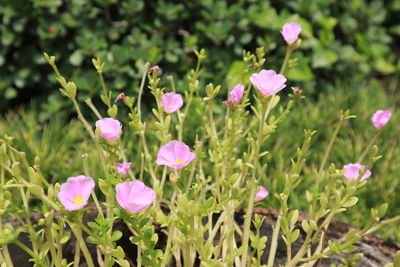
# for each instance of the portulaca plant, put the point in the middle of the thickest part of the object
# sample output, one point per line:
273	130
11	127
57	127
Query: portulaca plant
188	181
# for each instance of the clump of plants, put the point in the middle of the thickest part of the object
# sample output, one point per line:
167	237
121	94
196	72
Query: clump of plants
197	159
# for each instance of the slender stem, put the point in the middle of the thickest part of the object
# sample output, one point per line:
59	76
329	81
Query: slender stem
6	255
330	145
103	85
369	147
77	254
274	242
148	157
168	247
90	130
78	234
25	248
89	102
146	68
28	221
211	119
289	51
383	223
246	226
50	241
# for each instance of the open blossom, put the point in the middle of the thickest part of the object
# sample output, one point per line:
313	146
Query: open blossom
261	193
353	171
110	129
123	168
134	196
290	32
74	193
171	102
381	118
235	95
268	82
175	154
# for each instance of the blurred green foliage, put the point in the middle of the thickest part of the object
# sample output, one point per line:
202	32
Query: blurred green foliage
343	40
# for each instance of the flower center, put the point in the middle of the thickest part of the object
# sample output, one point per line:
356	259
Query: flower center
178	161
78	199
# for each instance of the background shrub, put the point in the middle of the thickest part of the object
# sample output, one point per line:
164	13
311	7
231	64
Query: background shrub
343	41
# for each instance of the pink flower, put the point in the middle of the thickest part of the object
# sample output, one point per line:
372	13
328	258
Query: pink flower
134	196
261	194
235	95
171	102
175	154
290	32
121	96
123	168
353	171
110	129
75	193
268	82
154	70
381	118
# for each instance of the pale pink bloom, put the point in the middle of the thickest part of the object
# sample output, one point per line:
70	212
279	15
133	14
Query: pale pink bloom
121	96
74	193
268	82
290	32
261	194
381	118
134	196
175	154
123	168
171	102
235	95
353	171
110	129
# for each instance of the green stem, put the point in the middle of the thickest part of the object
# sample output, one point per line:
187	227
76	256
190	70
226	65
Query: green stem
77	254
103	85
6	255
28	221
369	147
330	145
50	242
274	242
146	68
78	234
89	102
168	247
26	249
246	226
289	51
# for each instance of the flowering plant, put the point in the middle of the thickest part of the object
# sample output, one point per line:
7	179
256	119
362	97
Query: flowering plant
189	181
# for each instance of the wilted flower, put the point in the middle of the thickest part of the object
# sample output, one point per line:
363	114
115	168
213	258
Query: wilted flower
121	96
134	196
381	118
290	32
353	171
75	193
110	129
171	102
123	168
235	95
154	70
261	194
175	154
268	82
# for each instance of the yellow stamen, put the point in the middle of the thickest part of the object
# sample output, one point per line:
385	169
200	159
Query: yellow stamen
178	161
78	199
